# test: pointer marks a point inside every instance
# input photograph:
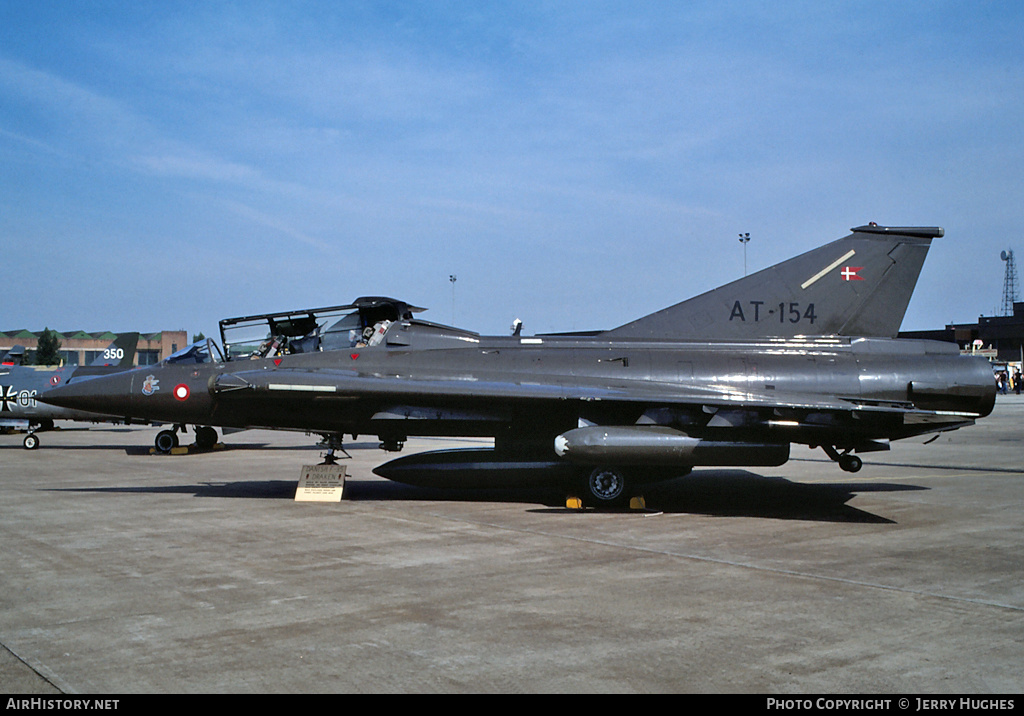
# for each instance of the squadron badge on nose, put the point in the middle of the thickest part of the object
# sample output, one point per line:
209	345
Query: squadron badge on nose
151	385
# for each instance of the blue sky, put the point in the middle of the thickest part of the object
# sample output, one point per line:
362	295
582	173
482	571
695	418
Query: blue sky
574	164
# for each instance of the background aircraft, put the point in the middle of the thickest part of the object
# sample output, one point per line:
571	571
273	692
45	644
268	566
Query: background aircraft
801	352
21	385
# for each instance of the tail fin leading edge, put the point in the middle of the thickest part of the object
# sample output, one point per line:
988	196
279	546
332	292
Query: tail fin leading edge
859	285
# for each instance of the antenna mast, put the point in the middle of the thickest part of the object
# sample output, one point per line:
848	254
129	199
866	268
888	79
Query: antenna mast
1010	294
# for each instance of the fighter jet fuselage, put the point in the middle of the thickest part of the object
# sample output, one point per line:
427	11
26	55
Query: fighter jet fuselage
730	377
525	392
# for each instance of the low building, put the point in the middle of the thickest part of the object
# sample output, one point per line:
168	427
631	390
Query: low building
1000	338
84	347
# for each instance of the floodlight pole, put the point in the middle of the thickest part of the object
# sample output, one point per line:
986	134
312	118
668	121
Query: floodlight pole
745	239
453	278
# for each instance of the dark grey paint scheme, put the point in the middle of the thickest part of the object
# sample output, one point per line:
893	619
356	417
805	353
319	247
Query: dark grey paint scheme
801	352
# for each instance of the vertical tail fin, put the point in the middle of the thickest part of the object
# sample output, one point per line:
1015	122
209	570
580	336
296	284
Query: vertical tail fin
120	353
15	356
859	285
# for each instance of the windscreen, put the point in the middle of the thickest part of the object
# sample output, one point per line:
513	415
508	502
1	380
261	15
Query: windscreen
204	351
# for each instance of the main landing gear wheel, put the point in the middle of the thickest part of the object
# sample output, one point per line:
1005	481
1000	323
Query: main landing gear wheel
166	440
606	485
31	442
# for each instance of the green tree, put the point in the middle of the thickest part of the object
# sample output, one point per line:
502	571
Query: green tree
48	348
196	337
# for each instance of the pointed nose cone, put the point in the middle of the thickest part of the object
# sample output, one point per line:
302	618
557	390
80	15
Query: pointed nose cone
110	395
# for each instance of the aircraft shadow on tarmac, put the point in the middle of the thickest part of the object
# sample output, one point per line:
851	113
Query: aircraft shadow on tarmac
740	493
722	493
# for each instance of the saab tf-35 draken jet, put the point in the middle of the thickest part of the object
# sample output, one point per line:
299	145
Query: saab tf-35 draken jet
801	352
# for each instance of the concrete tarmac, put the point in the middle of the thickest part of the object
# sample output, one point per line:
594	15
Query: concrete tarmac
125	572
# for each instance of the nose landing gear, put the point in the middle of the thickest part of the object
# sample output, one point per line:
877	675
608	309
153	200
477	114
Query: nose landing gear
333	442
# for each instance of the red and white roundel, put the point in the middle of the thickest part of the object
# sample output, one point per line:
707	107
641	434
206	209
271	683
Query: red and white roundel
181	391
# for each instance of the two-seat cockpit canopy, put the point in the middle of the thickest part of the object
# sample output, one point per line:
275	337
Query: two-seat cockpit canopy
368	321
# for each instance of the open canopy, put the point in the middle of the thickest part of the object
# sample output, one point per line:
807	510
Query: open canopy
313	329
